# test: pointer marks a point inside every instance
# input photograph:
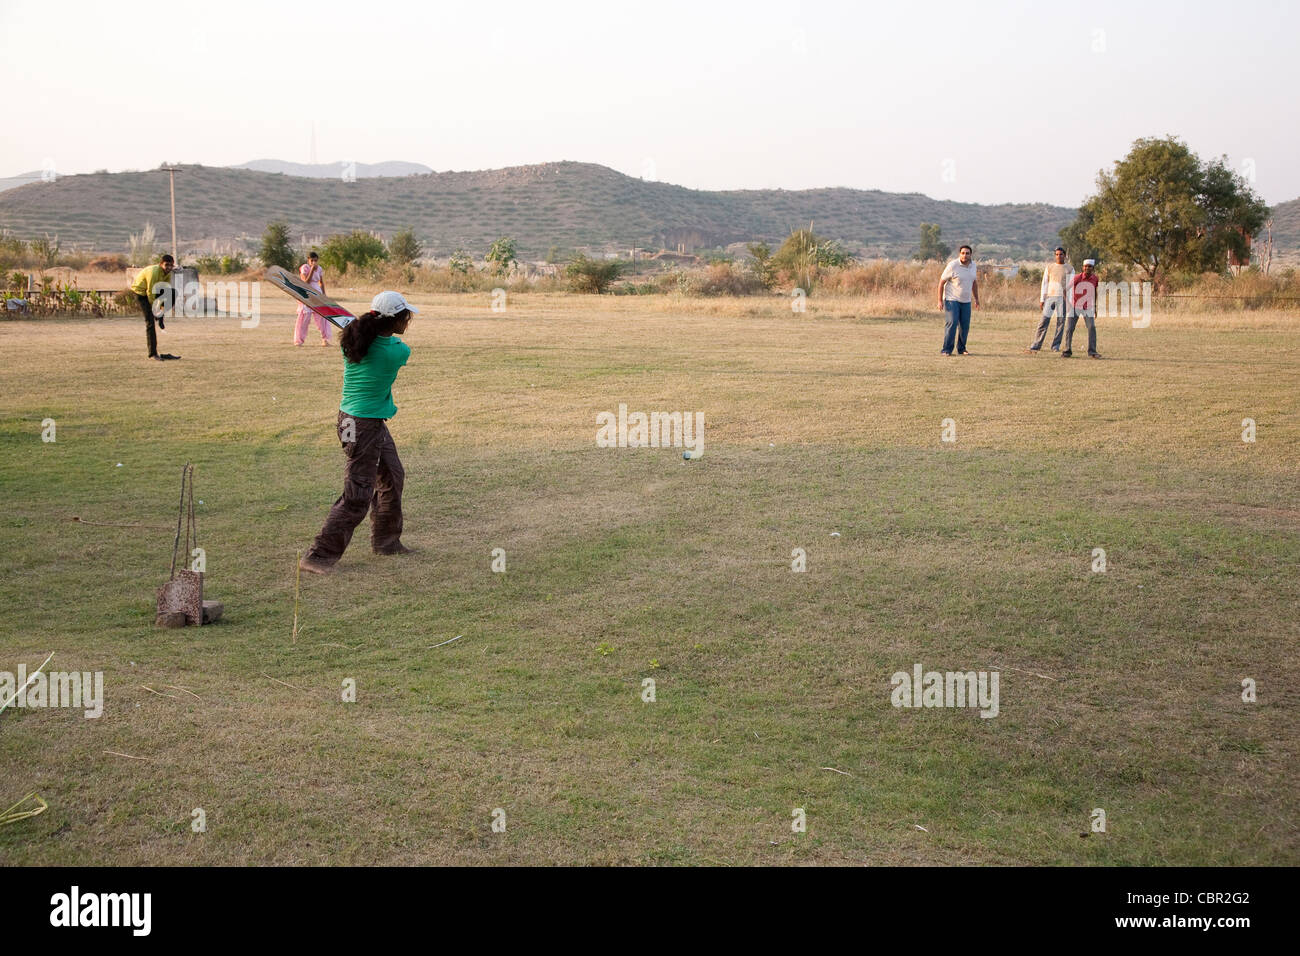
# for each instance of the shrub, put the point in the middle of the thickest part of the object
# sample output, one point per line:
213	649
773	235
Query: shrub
724	278
882	278
592	275
74	260
762	263
213	264
460	262
11	246
804	256
356	248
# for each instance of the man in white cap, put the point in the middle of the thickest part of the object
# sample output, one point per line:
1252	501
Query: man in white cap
373	475
1083	299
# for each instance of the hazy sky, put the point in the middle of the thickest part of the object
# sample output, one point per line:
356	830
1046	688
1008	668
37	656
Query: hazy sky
989	102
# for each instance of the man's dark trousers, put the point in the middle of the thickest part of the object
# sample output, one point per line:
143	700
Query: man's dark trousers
146	309
1089	319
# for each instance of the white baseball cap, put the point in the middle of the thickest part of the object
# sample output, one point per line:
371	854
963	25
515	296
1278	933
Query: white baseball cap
1089	262
390	303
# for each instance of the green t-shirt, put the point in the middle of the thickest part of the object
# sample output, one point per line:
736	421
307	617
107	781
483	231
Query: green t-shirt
368	384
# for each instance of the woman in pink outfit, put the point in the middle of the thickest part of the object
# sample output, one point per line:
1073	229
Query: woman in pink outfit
310	272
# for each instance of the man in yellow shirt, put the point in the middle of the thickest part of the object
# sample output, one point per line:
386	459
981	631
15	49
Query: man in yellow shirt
148	288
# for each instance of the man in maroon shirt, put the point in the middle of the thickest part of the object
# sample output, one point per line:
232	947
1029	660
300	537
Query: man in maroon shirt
1083	299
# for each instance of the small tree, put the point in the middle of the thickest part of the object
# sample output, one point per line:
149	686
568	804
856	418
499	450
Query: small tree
404	248
502	255
276	249
932	247
831	256
762	263
592	275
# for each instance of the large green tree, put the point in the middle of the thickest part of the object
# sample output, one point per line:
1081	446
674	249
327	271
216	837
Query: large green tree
1162	210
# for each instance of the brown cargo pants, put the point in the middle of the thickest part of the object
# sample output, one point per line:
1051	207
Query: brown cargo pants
372	482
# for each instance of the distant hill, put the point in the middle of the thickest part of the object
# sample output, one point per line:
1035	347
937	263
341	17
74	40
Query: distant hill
22	179
335	170
568	205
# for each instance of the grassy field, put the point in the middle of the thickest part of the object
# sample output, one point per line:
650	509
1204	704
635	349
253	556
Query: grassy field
1119	690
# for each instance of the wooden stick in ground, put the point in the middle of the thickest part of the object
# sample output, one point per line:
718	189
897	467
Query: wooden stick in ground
13	814
26	685
272	679
297	585
1004	667
180	516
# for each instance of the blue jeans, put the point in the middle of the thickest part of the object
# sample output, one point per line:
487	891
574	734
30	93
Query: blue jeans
1052	305
958	325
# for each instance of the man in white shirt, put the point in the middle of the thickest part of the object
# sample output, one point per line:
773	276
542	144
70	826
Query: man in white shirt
1051	299
958	292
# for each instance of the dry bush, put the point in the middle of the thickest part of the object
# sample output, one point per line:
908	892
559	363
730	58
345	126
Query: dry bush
723	278
111	263
882	277
1249	290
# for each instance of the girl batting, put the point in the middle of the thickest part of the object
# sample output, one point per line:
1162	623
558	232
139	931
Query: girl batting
372	473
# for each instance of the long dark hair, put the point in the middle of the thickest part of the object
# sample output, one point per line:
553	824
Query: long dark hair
357	335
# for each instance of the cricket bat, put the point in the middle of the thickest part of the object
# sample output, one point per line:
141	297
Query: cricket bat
322	305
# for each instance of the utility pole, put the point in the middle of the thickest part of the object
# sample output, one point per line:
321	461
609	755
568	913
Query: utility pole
171	170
